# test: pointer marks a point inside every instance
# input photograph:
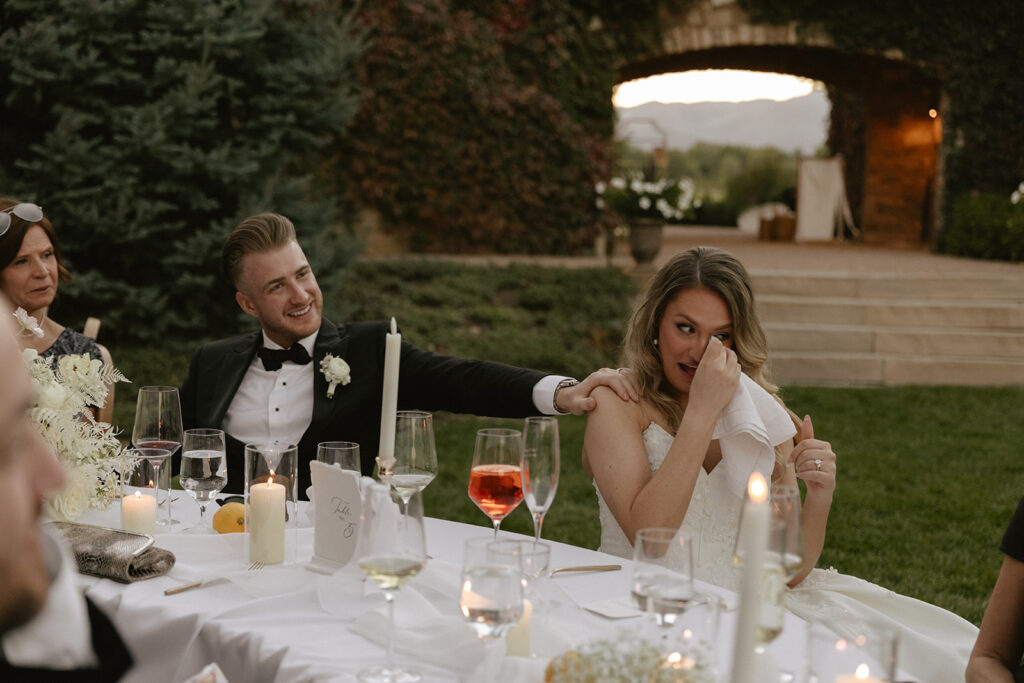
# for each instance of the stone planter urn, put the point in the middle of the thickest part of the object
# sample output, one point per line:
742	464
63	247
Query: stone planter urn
645	236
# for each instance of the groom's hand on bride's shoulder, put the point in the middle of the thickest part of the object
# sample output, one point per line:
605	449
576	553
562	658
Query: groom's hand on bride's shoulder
577	399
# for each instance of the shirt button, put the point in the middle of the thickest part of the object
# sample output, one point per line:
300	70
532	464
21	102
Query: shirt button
284	384
277	410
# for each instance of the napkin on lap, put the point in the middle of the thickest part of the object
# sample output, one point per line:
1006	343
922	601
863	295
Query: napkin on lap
114	554
748	430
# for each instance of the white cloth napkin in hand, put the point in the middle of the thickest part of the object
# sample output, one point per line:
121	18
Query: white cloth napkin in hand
748	430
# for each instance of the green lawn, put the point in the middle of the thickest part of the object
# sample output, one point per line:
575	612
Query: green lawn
928	476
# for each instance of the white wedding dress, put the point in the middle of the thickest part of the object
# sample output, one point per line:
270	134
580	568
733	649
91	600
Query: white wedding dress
934	644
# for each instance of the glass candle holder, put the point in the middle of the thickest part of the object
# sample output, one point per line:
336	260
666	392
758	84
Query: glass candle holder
139	489
859	653
271	487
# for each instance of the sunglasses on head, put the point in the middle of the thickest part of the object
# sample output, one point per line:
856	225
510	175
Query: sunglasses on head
30	213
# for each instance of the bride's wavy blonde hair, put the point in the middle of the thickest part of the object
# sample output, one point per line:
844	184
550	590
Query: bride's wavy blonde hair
699	267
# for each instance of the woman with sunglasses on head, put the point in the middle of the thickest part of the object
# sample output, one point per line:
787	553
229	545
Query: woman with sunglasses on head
30	267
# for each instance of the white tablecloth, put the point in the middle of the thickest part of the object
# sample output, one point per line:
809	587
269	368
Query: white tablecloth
285	623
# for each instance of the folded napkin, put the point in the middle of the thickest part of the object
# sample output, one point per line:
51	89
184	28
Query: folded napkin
115	554
748	430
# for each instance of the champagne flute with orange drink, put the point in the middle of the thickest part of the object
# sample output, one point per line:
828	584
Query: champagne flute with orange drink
495	478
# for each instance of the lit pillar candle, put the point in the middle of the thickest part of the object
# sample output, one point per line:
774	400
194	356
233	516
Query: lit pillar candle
266	522
138	513
753	540
389	403
862	675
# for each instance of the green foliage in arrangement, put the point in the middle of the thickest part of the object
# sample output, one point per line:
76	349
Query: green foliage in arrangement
560	321
147	130
975	50
483	126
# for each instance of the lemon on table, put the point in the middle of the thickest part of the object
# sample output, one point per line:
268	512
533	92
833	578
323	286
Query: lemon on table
230	518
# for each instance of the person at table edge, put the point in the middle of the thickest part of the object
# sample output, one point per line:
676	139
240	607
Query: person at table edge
230	386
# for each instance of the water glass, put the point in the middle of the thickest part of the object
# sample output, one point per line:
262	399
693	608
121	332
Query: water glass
661	554
204	469
535	563
688	637
850	652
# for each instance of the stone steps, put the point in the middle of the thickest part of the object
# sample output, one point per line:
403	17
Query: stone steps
892	328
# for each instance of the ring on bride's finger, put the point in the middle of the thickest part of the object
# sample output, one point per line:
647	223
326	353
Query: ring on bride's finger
817	464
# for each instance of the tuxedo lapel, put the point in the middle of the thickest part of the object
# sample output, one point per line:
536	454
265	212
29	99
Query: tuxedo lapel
331	339
231	370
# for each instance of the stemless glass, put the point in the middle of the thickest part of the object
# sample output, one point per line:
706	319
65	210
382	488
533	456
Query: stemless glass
158	425
535	561
344	454
541	462
491	597
392	550
495	480
662	555
785	501
415	456
204	469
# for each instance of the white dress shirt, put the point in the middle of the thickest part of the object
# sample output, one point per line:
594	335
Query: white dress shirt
277	407
273	407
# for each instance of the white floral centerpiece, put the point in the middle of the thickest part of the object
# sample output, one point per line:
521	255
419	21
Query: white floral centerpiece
635	197
90	452
627	660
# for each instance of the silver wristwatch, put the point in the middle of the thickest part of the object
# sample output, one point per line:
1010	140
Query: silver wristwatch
565	383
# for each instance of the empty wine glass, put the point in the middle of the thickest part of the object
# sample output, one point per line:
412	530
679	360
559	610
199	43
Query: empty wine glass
415	456
344	454
158	425
392	550
204	469
541	462
491	597
495	480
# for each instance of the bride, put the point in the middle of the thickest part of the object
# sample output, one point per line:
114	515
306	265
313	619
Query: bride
655	463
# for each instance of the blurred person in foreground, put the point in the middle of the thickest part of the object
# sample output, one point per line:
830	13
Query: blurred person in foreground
48	630
996	657
30	268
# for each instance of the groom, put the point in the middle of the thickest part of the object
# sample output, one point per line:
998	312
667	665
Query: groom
267	386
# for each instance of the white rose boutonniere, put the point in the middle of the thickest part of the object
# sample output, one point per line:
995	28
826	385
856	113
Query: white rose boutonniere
336	371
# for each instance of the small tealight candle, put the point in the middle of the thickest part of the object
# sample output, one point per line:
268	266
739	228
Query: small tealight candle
138	513
266	525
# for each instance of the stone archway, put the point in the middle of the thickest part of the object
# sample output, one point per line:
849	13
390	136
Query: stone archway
894	174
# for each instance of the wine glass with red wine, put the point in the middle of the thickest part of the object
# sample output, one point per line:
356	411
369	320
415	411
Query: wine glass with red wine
496	480
158	426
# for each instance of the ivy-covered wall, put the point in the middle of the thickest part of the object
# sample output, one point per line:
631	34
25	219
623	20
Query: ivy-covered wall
977	50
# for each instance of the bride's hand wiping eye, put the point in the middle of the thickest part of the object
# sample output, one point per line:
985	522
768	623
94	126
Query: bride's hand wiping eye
717	376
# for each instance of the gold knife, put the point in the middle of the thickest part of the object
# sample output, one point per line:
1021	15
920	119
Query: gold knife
589	568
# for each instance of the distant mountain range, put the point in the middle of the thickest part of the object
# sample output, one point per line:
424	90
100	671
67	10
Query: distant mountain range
797	124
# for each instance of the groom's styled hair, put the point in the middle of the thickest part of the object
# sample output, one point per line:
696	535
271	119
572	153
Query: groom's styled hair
261	232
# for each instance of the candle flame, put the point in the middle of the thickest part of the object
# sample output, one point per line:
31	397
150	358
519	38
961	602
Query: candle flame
862	671
138	495
757	488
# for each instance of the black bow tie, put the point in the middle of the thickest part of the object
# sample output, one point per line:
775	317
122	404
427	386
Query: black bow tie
274	358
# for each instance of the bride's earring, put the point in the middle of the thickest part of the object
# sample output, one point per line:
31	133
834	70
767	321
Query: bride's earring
655	342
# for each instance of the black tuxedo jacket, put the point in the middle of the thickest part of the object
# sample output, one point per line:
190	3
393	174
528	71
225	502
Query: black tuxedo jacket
426	381
113	656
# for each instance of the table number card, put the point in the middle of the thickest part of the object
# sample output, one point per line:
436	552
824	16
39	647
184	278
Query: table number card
338	506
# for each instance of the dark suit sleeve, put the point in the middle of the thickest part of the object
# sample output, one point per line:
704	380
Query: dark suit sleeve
428	381
189	391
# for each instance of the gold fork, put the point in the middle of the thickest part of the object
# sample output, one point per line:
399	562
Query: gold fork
255	566
588	568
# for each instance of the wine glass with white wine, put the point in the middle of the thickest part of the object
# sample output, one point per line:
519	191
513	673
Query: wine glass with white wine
392	550
415	455
541	462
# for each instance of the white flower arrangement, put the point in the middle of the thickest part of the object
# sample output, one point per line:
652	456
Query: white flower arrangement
625	661
90	452
1017	194
336	371
635	197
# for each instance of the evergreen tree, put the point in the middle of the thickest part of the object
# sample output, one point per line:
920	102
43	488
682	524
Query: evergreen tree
146	130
